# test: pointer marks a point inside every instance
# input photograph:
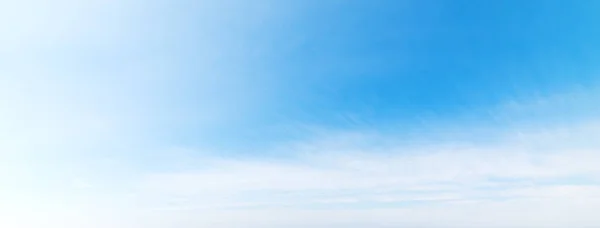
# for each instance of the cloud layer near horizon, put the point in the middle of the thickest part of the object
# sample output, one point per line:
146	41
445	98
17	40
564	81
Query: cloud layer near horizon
542	177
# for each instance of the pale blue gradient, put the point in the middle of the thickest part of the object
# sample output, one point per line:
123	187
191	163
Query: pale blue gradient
128	113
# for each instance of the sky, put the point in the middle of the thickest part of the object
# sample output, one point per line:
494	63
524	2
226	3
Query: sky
264	114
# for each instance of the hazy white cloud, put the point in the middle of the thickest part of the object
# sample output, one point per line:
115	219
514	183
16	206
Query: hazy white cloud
525	177
530	178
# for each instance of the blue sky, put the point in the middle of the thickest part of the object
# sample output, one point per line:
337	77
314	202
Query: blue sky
128	113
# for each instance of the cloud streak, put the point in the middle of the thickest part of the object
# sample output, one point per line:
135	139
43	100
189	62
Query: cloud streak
545	176
444	185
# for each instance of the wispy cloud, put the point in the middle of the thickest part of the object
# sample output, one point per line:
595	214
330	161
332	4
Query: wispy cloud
543	176
526	158
340	182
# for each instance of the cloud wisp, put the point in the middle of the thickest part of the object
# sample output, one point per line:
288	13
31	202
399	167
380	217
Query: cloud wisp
521	172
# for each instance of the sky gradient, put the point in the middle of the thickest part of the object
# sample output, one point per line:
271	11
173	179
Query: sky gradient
180	113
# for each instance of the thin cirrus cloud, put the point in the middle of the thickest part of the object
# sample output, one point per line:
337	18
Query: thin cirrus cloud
529	177
355	176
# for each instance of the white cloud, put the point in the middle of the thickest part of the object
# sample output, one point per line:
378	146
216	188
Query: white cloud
435	186
525	178
536	177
